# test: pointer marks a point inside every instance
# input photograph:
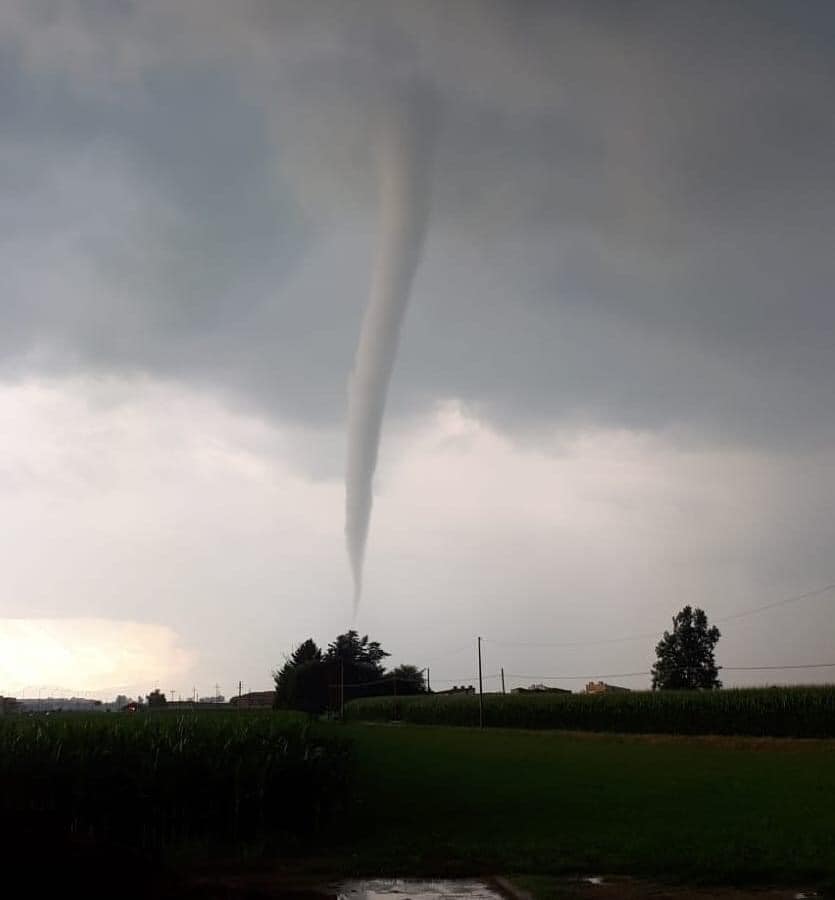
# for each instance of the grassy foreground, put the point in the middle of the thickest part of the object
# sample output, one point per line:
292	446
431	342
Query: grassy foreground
365	799
775	712
152	782
435	800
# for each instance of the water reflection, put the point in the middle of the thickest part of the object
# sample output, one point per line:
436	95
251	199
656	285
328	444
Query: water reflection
408	889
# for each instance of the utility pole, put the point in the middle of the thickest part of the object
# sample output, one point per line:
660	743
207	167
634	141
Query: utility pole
503	690
342	689
428	684
480	690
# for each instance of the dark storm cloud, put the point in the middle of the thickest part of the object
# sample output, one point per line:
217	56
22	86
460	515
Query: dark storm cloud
632	209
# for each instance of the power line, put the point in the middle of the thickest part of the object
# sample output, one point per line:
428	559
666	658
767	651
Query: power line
765	668
636	674
387	679
577	677
792	666
618	640
459	680
785	601
655	634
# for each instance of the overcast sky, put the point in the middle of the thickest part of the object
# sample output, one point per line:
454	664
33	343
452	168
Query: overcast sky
615	392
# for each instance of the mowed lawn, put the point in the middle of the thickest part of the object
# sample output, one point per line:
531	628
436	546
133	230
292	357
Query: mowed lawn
446	800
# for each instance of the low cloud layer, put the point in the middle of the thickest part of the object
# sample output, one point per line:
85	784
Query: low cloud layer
631	227
615	390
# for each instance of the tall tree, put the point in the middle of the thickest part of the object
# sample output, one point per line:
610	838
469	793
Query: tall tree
314	681
409	677
285	677
306	652
350	647
685	659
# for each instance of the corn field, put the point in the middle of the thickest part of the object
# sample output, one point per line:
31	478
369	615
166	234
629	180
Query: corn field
775	712
150	781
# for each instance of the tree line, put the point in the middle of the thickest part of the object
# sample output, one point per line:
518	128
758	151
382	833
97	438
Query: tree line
313	680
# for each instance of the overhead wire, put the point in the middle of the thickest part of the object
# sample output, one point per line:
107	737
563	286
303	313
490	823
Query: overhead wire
655	634
828	665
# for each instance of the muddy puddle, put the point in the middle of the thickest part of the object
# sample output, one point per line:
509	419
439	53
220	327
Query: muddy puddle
410	889
266	886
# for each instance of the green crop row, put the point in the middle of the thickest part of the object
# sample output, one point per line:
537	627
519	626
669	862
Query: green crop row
776	712
149	781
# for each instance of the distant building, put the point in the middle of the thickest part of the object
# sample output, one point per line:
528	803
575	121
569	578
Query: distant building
61	704
600	687
539	689
468	689
254	700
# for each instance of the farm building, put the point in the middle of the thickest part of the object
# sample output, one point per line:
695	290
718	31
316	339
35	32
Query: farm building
600	687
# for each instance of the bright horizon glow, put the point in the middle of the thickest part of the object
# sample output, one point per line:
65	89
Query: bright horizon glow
83	656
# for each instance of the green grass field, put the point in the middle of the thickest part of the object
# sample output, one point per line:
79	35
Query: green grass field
439	800
366	799
775	712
